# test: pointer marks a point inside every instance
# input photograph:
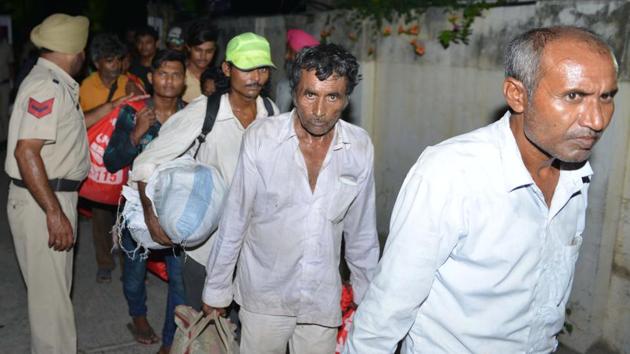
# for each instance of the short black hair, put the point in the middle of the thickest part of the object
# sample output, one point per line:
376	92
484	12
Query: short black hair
326	60
221	82
200	32
167	55
106	45
146	31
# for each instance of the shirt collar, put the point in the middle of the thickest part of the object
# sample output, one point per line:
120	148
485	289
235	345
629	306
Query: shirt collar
288	131
225	109
59	72
514	171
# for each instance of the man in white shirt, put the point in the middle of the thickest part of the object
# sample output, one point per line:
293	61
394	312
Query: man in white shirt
248	65
303	179
487	226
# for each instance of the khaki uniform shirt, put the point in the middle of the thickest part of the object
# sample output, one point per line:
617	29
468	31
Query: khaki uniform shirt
47	108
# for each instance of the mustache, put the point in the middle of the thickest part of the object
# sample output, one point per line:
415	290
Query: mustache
585	133
254	85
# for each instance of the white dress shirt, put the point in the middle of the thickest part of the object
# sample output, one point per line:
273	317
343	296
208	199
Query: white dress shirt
220	150
475	261
287	239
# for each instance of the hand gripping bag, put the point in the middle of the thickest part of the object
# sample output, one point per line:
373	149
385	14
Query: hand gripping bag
187	197
199	334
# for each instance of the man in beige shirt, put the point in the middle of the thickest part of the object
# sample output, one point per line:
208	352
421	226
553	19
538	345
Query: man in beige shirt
201	44
47	158
247	65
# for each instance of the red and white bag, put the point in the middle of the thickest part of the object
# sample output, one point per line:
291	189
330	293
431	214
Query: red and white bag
101	186
347	313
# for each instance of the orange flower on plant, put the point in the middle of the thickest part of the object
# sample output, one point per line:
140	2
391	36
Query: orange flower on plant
418	47
413	30
419	50
401	29
387	31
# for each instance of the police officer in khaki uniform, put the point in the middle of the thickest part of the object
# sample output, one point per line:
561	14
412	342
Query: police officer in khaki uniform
47	158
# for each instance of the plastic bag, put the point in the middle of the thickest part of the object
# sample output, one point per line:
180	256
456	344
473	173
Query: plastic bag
187	197
133	219
347	314
197	334
101	185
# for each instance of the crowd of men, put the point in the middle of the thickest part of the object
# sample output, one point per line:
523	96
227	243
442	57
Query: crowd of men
484	234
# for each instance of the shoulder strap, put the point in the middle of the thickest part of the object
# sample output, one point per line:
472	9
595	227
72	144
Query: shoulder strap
112	90
212	108
268	106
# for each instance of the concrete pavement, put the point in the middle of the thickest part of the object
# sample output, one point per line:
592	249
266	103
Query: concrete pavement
100	309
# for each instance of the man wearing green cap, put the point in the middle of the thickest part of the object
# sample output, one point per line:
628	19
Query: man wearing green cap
247	65
47	158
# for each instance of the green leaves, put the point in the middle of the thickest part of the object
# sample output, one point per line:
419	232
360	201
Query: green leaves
461	14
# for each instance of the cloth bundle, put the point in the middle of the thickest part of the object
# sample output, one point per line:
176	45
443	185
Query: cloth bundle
187	197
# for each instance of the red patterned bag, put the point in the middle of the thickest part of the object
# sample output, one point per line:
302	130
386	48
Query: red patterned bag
347	313
157	267
102	186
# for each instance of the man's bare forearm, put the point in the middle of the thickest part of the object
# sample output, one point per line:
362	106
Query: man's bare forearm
146	202
33	171
157	233
94	115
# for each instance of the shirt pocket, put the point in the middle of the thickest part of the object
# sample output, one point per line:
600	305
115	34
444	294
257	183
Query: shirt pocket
566	272
345	192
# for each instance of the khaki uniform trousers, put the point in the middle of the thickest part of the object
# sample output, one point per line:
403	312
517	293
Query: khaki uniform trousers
268	334
47	273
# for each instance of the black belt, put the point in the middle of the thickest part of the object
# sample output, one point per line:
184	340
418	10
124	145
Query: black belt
57	184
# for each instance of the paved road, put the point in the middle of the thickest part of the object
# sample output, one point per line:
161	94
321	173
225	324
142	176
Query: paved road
101	309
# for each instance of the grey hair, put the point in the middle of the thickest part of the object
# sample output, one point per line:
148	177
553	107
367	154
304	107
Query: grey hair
523	53
106	45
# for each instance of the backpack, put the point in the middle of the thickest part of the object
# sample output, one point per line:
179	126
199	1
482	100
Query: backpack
212	108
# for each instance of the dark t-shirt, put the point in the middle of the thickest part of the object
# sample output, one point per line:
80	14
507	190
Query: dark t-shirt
142	72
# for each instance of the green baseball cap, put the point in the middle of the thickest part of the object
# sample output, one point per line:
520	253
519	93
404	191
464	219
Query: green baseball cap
249	51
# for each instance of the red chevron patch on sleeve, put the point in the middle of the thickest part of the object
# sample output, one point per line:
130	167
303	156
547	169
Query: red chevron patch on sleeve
40	109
